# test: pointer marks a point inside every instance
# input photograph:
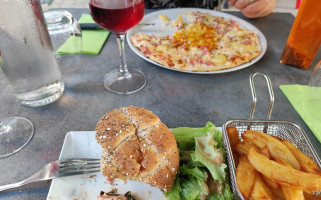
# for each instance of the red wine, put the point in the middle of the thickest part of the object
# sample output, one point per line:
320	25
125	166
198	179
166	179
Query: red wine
117	20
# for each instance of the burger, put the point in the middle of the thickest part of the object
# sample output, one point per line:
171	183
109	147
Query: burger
137	146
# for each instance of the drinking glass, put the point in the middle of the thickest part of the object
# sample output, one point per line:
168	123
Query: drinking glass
118	16
45	4
314	91
15	133
64	29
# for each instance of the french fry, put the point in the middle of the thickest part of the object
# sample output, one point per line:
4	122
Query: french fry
243	147
283	174
235	158
245	177
272	184
306	163
276	148
233	136
276	137
277	163
255	137
282	162
278	193
309	196
260	190
265	151
290	193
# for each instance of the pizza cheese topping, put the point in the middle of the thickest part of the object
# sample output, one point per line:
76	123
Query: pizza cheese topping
203	43
197	35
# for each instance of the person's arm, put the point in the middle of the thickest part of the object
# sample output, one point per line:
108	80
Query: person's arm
254	8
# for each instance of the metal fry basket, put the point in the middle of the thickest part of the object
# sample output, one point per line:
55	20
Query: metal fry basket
282	129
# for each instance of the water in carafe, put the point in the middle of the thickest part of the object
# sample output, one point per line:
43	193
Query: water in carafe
26	53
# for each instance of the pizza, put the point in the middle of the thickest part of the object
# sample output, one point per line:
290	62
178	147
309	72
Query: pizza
201	43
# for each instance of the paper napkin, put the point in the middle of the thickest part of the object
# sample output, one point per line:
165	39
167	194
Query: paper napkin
309	112
71	46
92	40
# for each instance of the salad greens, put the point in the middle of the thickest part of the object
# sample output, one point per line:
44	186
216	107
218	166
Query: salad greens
202	173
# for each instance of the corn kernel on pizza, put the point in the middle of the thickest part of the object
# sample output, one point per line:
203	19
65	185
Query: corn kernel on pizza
203	43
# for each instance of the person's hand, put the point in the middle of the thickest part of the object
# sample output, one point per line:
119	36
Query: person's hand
254	8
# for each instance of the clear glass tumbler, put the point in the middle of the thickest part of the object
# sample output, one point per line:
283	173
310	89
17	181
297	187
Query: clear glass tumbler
66	38
314	92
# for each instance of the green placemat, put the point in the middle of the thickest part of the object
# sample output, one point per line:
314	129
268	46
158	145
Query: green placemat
92	40
309	110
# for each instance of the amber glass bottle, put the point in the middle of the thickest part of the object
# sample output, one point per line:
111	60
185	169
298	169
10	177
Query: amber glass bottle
305	36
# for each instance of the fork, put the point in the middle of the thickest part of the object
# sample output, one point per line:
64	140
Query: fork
59	168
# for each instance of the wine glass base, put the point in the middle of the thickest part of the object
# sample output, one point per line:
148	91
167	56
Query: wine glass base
15	133
134	82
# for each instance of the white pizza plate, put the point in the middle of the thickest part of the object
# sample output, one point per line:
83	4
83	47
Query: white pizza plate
156	27
82	144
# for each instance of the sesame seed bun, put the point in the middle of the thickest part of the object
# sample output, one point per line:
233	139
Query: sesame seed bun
137	146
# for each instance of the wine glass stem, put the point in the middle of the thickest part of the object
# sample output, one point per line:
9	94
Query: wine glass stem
123	66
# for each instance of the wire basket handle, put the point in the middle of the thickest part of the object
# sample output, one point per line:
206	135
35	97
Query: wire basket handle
254	99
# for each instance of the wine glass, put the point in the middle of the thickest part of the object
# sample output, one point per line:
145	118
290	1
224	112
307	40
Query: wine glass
118	16
15	133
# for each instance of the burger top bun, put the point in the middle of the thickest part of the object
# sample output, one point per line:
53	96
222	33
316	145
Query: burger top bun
137	146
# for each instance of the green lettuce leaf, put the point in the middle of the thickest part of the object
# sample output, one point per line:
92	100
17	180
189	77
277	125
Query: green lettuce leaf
175	192
207	154
193	189
185	135
218	138
199	150
193	171
227	194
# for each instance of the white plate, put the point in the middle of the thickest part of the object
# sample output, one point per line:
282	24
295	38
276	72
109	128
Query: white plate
82	144
158	28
